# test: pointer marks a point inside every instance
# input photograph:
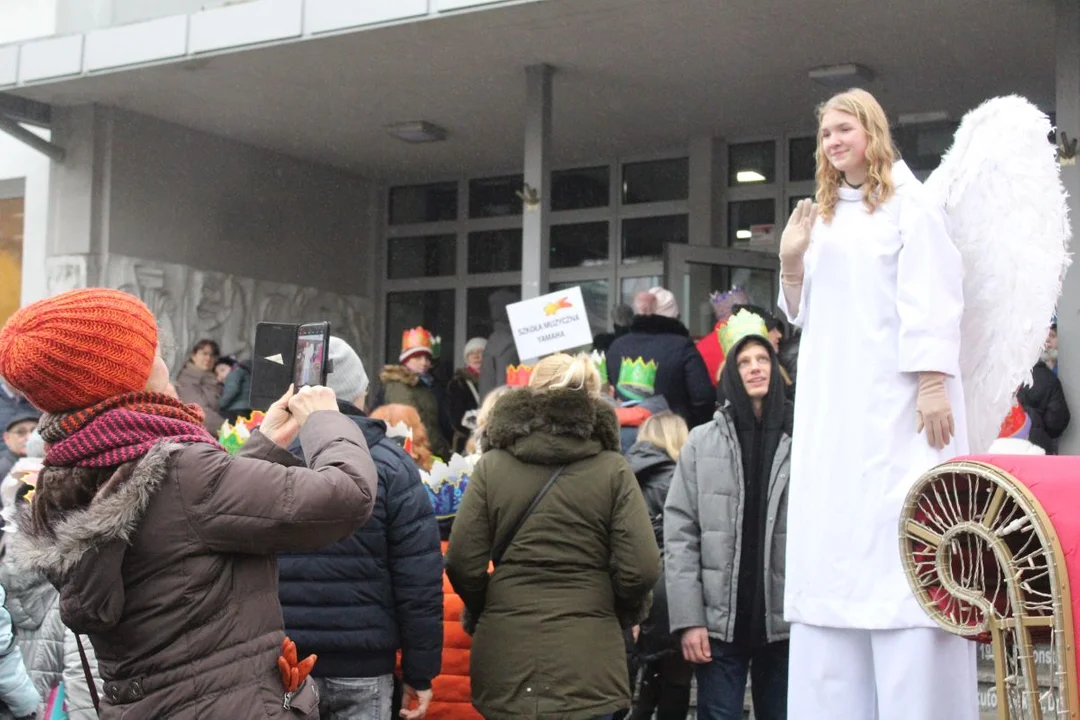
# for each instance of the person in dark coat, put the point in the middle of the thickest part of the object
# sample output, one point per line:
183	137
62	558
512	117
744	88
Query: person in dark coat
355	603
681	375
235	398
501	352
666	675
11	401
1044	400
463	395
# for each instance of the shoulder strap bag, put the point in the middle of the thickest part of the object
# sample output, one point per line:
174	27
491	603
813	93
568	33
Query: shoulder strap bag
89	676
498	552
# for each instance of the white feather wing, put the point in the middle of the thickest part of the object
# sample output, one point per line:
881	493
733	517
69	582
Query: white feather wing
1001	189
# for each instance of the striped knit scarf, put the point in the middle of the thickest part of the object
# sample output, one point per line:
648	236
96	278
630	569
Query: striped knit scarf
120	429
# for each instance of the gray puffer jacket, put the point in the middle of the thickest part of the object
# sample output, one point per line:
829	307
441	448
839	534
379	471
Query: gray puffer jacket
49	650
703	520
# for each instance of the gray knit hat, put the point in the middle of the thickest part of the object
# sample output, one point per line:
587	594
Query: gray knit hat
348	379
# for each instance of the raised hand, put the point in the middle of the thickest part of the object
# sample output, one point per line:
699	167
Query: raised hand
796	238
310	399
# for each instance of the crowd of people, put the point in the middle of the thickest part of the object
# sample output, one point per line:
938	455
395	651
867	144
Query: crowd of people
618	523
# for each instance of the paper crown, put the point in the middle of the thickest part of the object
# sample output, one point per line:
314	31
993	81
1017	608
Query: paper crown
401	433
599	359
739	326
723	303
446	484
637	378
232	437
418	340
518	375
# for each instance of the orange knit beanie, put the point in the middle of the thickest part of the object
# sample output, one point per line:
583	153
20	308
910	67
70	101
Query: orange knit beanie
76	349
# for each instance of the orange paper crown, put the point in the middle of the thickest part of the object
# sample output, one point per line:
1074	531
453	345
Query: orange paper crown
415	341
518	375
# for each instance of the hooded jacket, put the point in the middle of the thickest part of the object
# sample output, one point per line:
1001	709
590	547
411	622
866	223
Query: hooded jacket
49	649
500	352
725	529
681	375
170	570
354	603
1044	401
548	641
653	469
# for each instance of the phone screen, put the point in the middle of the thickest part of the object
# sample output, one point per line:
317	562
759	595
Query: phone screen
310	355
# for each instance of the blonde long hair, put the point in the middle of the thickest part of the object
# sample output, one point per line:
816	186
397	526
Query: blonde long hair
563	372
666	431
880	153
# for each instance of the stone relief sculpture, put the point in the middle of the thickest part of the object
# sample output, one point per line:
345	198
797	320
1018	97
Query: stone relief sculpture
191	304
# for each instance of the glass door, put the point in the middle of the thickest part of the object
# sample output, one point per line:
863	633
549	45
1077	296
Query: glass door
693	273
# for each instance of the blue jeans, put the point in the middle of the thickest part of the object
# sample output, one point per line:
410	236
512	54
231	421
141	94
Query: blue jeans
355	698
722	682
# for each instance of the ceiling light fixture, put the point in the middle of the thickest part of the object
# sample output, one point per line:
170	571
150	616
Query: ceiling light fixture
842	76
417	131
743	235
749	176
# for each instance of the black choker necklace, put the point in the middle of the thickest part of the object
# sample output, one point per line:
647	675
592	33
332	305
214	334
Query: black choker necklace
854	187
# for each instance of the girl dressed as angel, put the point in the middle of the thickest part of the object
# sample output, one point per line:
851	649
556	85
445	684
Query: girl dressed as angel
870	275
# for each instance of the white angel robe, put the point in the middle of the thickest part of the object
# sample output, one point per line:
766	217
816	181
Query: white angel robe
882	299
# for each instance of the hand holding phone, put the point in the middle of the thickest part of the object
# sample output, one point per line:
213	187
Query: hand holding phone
279	424
311	399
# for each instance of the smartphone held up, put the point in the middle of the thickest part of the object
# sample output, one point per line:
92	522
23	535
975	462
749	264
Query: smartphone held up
287	353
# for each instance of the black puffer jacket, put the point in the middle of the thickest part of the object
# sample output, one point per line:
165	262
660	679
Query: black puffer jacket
681	375
1045	404
355	603
653	469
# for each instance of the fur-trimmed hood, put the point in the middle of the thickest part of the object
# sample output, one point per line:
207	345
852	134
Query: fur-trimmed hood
658	325
72	549
399	374
552	426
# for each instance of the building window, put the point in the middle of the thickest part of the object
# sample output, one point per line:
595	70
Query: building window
478	319
427	256
643	239
495	197
436	202
921	146
430	309
11	253
752	164
751	224
656	181
595	294
579	245
495	251
802	167
580	188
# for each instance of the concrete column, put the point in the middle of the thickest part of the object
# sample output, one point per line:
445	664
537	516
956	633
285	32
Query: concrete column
1067	41
708	215
535	235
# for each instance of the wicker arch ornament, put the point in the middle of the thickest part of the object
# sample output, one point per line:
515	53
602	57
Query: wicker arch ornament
991	548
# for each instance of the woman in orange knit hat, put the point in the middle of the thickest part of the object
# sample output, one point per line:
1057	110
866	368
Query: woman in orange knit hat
160	542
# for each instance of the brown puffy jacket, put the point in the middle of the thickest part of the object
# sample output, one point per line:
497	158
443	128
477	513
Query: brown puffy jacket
171	571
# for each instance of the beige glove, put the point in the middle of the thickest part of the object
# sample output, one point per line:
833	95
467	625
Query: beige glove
933	411
795	241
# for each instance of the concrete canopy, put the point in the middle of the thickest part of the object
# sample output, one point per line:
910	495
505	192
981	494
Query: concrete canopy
632	77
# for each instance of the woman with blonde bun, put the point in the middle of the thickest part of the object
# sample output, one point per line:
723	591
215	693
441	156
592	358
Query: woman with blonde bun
554	506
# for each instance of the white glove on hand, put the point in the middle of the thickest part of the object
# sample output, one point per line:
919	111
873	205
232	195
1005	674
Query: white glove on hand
795	241
933	410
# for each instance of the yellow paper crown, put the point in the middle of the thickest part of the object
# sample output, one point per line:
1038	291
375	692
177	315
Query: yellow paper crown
741	325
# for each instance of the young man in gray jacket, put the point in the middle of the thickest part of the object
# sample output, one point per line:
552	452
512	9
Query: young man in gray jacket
725	534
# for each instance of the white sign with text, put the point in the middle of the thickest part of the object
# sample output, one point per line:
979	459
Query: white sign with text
550	323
